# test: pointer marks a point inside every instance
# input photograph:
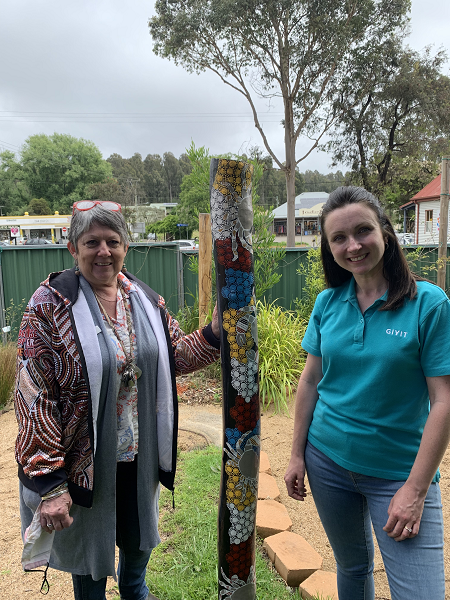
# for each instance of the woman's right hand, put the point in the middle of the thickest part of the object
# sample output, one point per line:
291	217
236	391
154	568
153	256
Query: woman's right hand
294	478
55	512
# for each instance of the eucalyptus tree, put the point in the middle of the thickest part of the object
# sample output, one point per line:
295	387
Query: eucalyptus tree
395	120
296	50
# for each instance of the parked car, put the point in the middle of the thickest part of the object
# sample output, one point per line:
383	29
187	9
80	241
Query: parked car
37	242
187	244
4	243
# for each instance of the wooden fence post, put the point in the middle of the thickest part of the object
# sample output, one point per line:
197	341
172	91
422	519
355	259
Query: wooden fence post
204	268
443	224
231	225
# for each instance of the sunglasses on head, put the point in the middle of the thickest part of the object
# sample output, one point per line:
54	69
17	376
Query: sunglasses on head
88	204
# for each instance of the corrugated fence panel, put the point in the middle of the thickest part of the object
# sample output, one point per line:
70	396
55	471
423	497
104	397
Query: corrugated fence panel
24	268
291	283
156	265
190	277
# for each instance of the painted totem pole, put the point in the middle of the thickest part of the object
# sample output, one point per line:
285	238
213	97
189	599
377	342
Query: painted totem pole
231	225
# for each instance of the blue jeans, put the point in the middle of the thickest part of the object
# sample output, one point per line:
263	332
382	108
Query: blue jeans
132	561
348	504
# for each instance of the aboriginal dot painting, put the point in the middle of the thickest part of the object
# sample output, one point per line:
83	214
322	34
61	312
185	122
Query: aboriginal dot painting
231	224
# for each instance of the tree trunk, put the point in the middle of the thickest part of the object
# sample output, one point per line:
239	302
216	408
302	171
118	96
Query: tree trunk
289	143
231	224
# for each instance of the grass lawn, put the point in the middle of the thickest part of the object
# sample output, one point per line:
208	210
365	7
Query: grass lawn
184	565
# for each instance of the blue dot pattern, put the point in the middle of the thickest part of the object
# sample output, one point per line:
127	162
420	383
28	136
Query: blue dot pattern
238	288
233	435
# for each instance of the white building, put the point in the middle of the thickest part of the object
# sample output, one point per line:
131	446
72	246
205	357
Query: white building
308	207
52	227
422	214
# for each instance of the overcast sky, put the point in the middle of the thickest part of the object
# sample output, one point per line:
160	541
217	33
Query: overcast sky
86	67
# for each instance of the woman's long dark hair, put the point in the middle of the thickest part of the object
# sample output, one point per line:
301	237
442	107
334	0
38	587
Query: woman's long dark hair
402	282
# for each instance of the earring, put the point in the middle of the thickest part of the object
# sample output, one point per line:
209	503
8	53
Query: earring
124	269
386	244
77	269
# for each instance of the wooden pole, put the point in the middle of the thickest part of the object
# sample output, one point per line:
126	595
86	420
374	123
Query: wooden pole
204	268
443	224
231	225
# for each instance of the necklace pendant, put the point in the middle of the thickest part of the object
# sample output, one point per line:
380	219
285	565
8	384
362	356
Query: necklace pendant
137	371
128	377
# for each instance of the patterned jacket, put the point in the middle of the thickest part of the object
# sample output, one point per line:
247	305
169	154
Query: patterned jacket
53	400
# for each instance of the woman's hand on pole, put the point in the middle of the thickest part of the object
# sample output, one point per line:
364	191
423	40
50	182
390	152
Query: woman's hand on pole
215	322
55	513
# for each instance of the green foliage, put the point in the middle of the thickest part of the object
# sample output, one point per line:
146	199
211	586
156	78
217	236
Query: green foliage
194	195
14	193
394	124
8	353
39	206
105	190
184	566
168	225
154	179
318	182
13	318
281	357
314	282
188	316
57	168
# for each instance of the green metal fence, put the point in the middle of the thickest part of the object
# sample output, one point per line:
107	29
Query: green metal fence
162	266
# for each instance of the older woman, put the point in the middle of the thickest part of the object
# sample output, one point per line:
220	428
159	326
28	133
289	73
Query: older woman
97	408
372	417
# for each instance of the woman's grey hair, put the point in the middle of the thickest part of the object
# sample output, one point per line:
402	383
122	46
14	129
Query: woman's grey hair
83	220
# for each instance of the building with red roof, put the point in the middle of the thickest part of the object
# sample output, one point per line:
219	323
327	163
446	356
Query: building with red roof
422	214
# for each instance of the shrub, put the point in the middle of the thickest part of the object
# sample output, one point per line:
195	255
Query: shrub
281	357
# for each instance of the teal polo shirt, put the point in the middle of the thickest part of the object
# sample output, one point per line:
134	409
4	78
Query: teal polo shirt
373	398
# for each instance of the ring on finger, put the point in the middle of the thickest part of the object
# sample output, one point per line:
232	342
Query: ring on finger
50	525
408	529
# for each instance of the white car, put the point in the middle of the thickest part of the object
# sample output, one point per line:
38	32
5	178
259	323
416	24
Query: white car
187	244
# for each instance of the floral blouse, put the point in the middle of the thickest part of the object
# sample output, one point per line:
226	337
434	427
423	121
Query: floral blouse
127	399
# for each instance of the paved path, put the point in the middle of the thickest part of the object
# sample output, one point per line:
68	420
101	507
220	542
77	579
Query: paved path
203	422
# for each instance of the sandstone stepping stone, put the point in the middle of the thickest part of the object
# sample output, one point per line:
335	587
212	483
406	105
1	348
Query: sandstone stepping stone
321	584
292	556
271	518
268	488
264	464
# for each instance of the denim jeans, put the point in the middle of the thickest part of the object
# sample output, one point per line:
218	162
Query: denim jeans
132	561
348	504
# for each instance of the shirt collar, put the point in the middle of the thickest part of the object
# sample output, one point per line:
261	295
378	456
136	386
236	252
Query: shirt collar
349	292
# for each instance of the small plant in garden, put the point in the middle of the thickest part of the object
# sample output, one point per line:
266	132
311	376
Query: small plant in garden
8	353
281	357
13	317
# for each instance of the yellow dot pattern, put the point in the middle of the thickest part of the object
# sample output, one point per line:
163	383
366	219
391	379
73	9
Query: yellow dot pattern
230	171
230	321
241	496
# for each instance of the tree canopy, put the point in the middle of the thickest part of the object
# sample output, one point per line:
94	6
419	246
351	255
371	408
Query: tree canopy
395	121
154	179
297	50
57	168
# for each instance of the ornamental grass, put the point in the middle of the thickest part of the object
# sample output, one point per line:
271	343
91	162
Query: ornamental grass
8	354
281	357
